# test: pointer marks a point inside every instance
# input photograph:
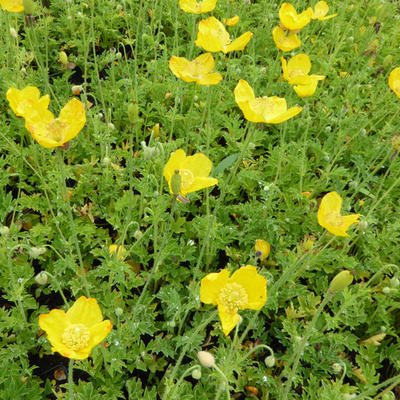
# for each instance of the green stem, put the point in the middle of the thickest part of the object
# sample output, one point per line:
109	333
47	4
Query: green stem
71	379
225	380
178	383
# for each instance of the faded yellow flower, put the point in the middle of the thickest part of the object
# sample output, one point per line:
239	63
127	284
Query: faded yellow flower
74	333
394	81
245	289
12	5
272	110
212	36
194	172
296	71
320	11
118	250
193	7
329	216
283	41
198	70
262	249
292	21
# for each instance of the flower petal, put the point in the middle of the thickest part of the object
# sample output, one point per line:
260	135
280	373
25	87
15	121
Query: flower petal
299	65
210	79
228	320
54	324
98	332
74	116
176	161
211	286
285	43
199	164
240	43
12	5
200	183
85	311
177	65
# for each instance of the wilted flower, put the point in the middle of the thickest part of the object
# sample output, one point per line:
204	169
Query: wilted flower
74	333
192	6
394	81
12	5
272	110
296	72
292	21
193	172
198	70
118	250
262	249
245	289
48	131
320	11
212	36
329	216
285	42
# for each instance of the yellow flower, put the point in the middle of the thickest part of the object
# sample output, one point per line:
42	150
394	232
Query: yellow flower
296	73
118	250
27	101
197	70
212	36
292	21
192	6
12	5
262	248
74	333
329	216
272	110
231	21
394	81
320	11
285	42
245	289
193	170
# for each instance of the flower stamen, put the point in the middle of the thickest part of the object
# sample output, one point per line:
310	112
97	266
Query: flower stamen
233	297
76	337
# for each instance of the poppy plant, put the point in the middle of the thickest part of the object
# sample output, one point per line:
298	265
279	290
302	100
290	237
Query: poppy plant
193	7
212	36
198	70
295	72
394	81
283	41
12	5
245	289
320	11
329	216
193	172
272	110
74	333
292	21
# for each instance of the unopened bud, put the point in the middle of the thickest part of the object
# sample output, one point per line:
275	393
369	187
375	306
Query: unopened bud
196	374
363	225
206	359
41	278
386	290
176	181
111	126
63	58
76	89
269	361
340	281
336	368
133	112
394	282
106	161
388	396
35	252
387	61
13	33
119	311
138	234
29	6
4	230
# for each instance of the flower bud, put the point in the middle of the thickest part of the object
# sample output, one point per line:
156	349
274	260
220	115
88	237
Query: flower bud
394	282
111	126
196	374
63	58
4	230
269	361
176	181
262	249
106	161
386	290
119	311
13	33
138	234
35	252
41	278
206	359
363	225
340	281
133	112
336	368
29	6
387	61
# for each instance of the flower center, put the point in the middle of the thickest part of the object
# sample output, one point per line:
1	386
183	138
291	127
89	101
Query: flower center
233	296
187	178
76	337
56	129
334	218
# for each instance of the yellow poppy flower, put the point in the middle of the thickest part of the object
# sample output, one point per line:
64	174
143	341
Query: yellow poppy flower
198	70
74	333
285	42
193	170
262	249
193	7
231	21
272	110
292	21
27	101
394	81
212	36
320	11
12	5
245	289
296	73
118	250
329	216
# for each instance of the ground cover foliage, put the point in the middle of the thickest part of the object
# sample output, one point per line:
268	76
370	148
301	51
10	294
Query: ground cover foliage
61	209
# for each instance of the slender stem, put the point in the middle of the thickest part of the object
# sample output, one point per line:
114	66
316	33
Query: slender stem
178	383
225	380
71	379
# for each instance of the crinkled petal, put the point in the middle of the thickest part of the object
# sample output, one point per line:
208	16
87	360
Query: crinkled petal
54	324
240	43
199	164
85	311
228	320
212	35
12	5
212	78
254	284
194	7
200	183
98	332
211	286
206	60
27	101
299	65
285	43
73	115
290	113
394	81
291	20
176	161
178	65
243	92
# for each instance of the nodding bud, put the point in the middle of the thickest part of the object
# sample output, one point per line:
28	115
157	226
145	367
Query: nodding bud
63	58
133	112
196	374
35	252
176	181
340	281
41	278
206	359
13	33
119	311
336	368
4	230
269	361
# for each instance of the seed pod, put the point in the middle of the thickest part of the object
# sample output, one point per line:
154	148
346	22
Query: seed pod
340	281
176	181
